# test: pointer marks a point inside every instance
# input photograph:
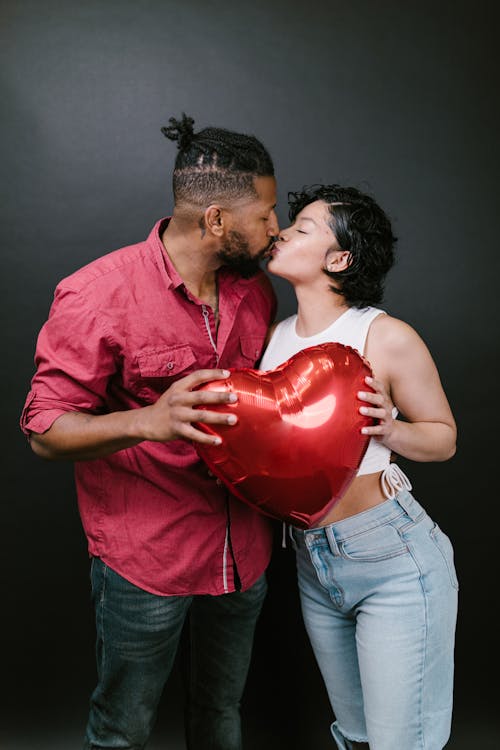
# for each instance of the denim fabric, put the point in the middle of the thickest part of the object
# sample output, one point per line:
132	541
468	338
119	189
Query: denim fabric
379	599
138	635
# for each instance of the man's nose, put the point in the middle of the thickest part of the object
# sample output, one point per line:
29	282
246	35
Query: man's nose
273	229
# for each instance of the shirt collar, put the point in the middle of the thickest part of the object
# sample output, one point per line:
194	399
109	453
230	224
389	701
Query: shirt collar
233	280
175	281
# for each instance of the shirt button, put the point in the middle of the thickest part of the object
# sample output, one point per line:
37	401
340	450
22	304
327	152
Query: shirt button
170	365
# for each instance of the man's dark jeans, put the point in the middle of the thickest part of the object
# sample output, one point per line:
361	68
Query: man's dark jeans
138	635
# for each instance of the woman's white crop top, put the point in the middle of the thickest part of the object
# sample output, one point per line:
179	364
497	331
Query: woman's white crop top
351	329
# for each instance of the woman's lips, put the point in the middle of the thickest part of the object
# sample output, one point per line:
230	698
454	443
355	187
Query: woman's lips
271	252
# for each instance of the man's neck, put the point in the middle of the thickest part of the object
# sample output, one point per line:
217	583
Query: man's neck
194	258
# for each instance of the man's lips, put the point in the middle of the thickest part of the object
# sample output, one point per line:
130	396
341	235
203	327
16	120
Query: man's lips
271	250
268	252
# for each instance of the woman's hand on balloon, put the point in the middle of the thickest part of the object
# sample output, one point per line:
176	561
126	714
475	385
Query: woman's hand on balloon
379	406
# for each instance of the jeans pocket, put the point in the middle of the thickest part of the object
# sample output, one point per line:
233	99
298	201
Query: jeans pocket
379	543
443	543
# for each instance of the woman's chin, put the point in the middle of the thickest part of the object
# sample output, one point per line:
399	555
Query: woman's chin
273	263
273	267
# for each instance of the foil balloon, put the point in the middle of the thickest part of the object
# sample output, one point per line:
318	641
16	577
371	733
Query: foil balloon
298	443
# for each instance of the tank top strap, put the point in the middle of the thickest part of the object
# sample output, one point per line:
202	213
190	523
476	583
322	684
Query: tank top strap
353	327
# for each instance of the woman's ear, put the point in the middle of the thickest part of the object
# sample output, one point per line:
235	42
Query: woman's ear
214	221
338	260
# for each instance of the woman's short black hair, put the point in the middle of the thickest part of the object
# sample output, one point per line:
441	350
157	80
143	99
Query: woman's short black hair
362	228
215	163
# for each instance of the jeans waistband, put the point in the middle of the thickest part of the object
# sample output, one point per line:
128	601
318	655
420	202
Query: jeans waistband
368	519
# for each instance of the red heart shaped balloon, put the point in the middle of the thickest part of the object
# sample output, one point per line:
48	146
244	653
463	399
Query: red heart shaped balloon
298	443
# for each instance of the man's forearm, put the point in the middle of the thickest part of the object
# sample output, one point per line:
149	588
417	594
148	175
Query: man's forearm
81	437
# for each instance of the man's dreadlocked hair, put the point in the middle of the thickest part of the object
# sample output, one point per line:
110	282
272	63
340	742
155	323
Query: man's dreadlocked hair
214	163
362	228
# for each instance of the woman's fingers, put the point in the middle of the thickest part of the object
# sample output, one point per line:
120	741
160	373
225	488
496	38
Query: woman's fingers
372	398
378	429
380	408
371	412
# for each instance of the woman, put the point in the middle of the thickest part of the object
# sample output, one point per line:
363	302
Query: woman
377	582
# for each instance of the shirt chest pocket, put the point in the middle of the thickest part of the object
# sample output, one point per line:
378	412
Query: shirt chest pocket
249	351
158	367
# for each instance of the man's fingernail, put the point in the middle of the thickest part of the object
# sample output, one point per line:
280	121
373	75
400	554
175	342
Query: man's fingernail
232	397
225	373
231	419
217	441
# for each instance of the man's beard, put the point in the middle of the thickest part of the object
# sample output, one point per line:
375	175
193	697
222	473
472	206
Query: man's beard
235	254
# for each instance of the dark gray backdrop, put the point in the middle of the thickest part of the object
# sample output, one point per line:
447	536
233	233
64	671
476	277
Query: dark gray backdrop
396	98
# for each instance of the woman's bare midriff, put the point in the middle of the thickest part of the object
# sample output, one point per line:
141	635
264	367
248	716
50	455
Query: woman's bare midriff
364	492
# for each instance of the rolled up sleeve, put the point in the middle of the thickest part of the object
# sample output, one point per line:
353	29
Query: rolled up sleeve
74	360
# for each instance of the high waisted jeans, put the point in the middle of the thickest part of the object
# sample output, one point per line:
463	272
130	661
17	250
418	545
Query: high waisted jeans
137	638
379	600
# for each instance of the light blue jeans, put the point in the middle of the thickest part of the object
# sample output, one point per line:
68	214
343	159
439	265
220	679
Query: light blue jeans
379	600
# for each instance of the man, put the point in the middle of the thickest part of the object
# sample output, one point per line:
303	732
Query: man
128	340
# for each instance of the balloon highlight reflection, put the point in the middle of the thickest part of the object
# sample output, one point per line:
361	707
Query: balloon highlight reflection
297	444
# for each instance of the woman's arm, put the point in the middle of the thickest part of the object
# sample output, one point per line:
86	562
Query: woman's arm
407	377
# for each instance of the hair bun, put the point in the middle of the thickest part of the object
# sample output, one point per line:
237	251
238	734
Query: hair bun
180	131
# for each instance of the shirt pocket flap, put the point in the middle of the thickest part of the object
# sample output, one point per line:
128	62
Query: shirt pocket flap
162	362
251	348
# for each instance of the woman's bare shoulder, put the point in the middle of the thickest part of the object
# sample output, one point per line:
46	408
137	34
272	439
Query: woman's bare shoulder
391	340
393	333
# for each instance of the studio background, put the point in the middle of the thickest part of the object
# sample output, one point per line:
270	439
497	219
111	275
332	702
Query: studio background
398	99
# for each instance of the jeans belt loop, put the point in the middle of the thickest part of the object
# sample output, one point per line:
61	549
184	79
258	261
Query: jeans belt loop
332	542
409	505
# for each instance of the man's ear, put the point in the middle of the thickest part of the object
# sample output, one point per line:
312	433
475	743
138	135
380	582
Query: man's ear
214	220
338	260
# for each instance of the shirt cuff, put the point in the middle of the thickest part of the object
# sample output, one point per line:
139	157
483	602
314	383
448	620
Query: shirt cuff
37	419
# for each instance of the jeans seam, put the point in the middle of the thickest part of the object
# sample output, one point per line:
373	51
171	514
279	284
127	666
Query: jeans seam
424	649
433	535
378	558
332	588
412	522
375	524
102	598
